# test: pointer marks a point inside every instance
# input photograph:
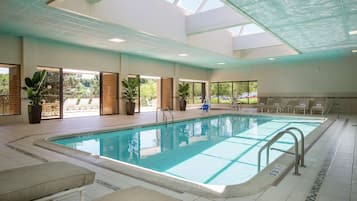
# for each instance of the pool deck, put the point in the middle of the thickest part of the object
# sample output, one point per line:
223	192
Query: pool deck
330	175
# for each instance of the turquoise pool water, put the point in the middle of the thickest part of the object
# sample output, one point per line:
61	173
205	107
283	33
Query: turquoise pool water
220	150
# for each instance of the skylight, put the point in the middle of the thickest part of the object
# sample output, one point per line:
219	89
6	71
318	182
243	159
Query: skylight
190	5
244	30
235	30
210	5
250	29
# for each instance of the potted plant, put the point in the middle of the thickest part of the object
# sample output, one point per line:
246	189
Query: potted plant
35	89
183	94
130	93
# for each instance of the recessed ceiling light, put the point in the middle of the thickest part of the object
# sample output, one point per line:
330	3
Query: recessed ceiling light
354	51
221	63
271	58
116	40
183	55
352	32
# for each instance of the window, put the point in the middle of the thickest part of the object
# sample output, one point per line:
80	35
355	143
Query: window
197	92
214	92
250	29
10	101
225	92
245	92
210	5
189	5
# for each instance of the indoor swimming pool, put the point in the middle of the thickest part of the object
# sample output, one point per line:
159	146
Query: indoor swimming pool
204	150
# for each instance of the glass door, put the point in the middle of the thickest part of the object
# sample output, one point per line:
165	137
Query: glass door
150	89
51	103
109	93
81	93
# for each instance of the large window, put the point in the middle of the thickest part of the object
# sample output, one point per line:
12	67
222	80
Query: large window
245	92
225	92
81	93
10	101
197	92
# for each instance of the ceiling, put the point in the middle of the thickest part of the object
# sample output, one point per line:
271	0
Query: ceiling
307	25
35	18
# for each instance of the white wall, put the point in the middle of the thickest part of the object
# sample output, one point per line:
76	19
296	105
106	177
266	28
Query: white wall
329	77
10	49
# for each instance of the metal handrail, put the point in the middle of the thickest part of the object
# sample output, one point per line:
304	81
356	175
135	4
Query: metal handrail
272	141
171	113
157	113
164	117
302	155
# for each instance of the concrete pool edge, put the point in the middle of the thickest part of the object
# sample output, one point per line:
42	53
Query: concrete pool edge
256	184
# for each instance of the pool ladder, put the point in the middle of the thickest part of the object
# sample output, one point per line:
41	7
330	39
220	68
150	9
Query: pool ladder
298	158
164	116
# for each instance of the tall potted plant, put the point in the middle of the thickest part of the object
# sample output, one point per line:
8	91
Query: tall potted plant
35	89
183	94
130	93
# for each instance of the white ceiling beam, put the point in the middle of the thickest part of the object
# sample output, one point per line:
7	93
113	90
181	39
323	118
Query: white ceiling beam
215	19
253	41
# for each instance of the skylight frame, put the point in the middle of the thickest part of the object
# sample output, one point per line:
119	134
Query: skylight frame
192	10
243	28
206	2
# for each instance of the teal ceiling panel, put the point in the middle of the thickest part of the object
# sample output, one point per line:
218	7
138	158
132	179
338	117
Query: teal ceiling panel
307	25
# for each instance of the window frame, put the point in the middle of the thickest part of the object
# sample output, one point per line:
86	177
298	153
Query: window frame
19	89
232	90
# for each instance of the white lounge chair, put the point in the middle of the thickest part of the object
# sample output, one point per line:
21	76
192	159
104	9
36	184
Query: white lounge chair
42	182
318	106
303	105
136	193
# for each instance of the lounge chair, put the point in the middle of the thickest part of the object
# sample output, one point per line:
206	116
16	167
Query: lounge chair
273	104
303	105
318	106
42	182
136	193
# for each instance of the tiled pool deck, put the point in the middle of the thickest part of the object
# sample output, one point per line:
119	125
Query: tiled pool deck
330	175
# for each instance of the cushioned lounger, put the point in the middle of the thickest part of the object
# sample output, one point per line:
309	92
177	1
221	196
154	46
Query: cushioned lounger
38	181
136	193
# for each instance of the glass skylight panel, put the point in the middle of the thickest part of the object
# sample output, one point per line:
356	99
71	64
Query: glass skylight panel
189	5
250	29
170	1
210	5
235	30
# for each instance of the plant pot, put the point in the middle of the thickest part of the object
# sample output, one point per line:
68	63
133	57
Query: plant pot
130	108
183	105
34	112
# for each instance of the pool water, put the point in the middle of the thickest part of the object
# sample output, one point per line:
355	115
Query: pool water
219	150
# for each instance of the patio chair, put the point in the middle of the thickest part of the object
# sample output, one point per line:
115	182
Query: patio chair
318	106
273	104
83	104
47	181
70	104
302	105
261	104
